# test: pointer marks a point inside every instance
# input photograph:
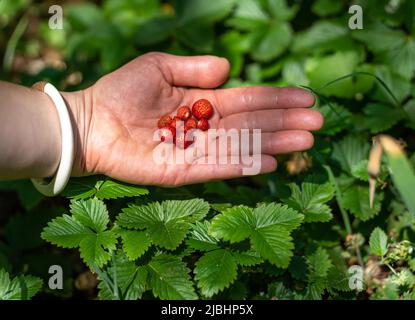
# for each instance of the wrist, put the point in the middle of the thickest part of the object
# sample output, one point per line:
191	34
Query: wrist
79	105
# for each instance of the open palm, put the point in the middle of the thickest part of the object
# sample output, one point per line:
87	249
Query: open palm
126	104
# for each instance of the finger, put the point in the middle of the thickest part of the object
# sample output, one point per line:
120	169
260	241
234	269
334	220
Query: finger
279	142
194	71
201	172
274	120
237	100
217	147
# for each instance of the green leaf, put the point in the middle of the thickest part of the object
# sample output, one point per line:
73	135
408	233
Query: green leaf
281	11
401	58
270	41
200	239
336	118
325	8
169	278
91	213
131	279
95	249
350	151
197	12
378	242
247	258
274	243
268	227
65	232
311	198
356	200
248	15
379	37
167	223
381	117
215	271
322	70
135	243
319	264
111	189
102	188
319	34
19	288
234	224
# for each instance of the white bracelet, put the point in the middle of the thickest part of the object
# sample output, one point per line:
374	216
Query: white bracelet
59	181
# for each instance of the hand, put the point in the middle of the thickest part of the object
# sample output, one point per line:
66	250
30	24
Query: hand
117	118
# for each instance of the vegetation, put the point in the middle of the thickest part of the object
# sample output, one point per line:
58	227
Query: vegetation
292	234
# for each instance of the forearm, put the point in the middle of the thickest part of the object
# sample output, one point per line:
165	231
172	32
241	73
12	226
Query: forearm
29	133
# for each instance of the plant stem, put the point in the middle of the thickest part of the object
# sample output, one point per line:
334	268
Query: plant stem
339	200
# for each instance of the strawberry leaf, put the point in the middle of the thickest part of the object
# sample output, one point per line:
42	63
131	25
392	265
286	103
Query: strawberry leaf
215	271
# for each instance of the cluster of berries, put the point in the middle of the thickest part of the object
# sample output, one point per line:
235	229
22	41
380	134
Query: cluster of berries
197	118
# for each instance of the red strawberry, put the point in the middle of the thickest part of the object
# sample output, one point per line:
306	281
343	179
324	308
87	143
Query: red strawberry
203	124
202	109
190	124
184	113
175	122
167	134
182	140
164	121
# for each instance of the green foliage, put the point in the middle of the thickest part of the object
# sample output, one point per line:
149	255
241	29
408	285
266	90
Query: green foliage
286	235
18	288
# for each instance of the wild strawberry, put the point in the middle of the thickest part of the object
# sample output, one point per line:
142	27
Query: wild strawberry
176	122
183	140
190	124
167	134
202	109
164	121
184	113
203	124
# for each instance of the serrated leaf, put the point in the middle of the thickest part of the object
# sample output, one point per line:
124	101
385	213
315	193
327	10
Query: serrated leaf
311	198
234	224
319	34
319	264
169	278
336	118
274	243
102	188
268	227
321	70
215	271
378	242
200	239
350	151
91	213
356	200
111	189
248	15
167	223
381	117
325	8
65	232
130	278
135	243
270	40
19	288
95	249
196	12
247	258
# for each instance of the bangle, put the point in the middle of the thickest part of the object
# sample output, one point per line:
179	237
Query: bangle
60	179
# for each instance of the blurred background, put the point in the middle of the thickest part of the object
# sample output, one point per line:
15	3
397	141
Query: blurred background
272	42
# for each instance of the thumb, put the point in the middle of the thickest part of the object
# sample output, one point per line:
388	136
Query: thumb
194	71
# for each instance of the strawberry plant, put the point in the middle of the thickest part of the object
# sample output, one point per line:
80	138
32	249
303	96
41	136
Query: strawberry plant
334	222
